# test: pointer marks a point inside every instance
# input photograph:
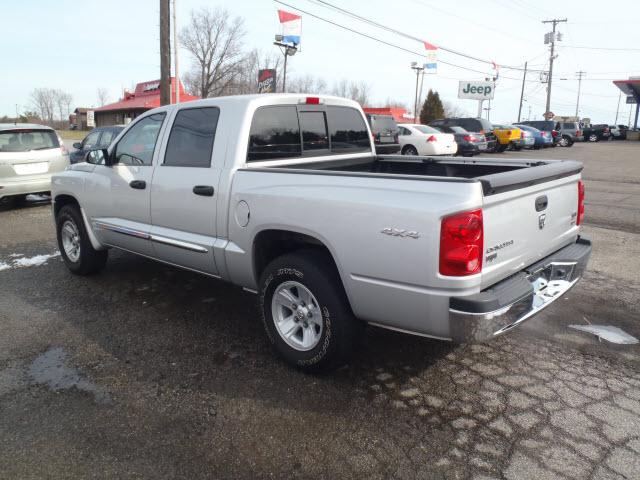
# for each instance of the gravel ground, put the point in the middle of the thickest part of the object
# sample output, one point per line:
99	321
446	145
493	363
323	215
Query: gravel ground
147	371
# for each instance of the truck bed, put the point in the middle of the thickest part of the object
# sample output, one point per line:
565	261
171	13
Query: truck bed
495	175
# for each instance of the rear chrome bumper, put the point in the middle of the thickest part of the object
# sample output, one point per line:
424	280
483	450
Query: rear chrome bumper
507	304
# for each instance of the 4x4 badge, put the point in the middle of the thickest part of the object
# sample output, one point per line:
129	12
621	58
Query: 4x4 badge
541	219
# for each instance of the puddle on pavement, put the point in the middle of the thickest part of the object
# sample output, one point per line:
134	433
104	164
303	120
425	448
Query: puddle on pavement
50	369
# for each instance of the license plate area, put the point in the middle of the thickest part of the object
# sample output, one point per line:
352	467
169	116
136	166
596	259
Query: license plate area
31	168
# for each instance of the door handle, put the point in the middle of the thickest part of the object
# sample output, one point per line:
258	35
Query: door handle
204	190
138	184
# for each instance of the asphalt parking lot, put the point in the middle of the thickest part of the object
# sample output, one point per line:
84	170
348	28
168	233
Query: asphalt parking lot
146	371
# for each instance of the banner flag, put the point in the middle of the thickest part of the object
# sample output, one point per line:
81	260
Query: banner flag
431	65
291	26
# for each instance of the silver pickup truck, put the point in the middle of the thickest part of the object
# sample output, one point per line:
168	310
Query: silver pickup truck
284	196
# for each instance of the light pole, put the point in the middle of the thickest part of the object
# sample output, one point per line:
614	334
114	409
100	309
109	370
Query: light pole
288	50
418	69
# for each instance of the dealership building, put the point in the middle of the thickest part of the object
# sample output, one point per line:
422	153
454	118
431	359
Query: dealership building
145	97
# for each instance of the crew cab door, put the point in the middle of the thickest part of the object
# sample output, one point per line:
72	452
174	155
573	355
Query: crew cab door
183	191
117	197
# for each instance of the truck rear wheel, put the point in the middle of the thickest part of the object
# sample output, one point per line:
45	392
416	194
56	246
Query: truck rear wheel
306	313
74	244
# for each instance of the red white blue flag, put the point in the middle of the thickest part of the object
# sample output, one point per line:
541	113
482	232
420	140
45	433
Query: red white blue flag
431	65
291	26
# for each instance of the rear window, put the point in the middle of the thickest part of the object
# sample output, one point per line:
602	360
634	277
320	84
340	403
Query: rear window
426	129
347	130
314	131
383	124
274	134
569	125
25	140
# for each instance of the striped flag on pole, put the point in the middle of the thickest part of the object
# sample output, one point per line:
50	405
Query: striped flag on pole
291	26
431	65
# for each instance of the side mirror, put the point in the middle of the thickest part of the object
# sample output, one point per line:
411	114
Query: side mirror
77	145
97	157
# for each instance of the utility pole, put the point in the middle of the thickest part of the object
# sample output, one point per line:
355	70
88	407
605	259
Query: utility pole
288	50
524	79
175	52
618	107
580	74
165	54
418	69
551	38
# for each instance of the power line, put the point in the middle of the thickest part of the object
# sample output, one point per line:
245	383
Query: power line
384	42
398	32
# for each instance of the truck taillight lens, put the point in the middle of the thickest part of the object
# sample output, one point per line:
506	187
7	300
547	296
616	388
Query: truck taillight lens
467	138
580	203
461	243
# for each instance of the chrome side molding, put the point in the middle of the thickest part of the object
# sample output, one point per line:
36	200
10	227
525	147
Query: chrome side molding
147	236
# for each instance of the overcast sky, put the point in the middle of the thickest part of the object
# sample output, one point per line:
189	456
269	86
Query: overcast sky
80	45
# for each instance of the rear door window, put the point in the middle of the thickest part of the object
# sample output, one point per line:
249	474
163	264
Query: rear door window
274	134
191	140
314	131
106	138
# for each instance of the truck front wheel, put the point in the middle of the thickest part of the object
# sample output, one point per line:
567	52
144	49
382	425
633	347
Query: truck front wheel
306	313
75	247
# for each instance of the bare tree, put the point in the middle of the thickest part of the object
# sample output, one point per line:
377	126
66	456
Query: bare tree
43	101
307	84
63	104
246	80
214	39
453	110
103	96
358	91
393	103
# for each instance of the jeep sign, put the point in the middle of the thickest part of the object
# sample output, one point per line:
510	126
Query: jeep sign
476	90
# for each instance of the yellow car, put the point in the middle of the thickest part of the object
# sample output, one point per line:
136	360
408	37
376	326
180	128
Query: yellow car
508	135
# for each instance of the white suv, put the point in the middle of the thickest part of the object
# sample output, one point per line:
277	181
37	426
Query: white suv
29	155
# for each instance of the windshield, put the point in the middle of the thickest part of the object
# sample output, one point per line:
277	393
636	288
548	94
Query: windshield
425	129
25	140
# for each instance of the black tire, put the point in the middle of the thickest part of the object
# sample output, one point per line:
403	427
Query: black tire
89	260
409	150
593	138
341	332
501	148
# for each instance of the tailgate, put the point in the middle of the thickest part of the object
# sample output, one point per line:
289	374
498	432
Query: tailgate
526	223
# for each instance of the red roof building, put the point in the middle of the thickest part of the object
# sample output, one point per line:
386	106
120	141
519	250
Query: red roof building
145	97
399	114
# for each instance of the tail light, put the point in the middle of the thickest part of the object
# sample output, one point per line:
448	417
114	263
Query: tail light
554	133
544	134
606	129
63	147
580	203
461	243
522	135
468	138
578	133
313	100
432	138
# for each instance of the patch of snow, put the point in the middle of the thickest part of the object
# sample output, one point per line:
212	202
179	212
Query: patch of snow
609	333
19	261
34	261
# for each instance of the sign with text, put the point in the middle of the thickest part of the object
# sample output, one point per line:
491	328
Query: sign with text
91	119
267	81
476	90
